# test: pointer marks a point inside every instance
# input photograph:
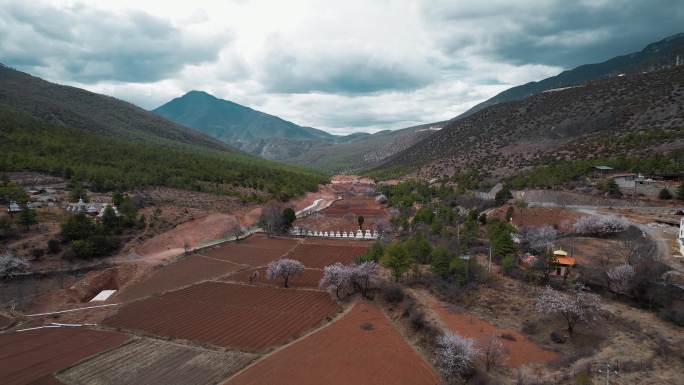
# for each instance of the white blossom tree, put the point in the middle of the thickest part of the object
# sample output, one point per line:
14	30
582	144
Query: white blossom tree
600	225
345	279
284	268
579	305
620	278
540	239
11	265
335	278
455	355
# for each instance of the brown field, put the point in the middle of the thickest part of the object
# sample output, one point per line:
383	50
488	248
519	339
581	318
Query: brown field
228	315
361	348
319	256
257	250
520	351
187	271
341	215
156	362
309	279
31	357
560	219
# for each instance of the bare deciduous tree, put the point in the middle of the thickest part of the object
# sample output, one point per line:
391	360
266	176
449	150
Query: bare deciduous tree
382	226
186	246
271	219
236	230
11	265
493	352
579	305
455	355
284	268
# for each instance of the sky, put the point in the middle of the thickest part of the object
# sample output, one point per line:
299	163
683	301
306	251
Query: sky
341	66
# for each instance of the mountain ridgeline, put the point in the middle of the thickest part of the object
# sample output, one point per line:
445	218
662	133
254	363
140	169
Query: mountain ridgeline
273	138
115	145
664	54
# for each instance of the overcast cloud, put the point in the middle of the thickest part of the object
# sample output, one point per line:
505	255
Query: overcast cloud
340	66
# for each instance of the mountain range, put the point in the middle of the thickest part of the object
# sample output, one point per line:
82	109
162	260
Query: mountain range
273	138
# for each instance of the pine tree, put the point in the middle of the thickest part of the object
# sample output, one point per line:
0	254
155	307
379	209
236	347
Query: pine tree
27	217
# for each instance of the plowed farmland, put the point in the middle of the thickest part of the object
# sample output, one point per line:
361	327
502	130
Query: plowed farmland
319	256
156	362
257	250
187	271
309	279
229	315
361	348
31	357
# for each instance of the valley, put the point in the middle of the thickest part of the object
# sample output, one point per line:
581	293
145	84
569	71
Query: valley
477	206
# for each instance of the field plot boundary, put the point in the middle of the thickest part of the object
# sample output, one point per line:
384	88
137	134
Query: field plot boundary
157	361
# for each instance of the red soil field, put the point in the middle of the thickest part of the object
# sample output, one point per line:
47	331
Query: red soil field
257	250
32	357
319	256
309	279
361	348
187	271
519	352
229	315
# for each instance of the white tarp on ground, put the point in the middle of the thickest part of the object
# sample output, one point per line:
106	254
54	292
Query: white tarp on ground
103	295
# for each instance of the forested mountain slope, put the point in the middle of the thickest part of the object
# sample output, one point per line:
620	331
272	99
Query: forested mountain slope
112	144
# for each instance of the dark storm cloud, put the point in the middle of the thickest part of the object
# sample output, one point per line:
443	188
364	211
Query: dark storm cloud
87	45
557	33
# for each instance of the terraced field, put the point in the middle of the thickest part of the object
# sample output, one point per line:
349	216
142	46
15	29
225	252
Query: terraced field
31	357
257	250
151	362
361	348
320	255
187	271
309	279
229	315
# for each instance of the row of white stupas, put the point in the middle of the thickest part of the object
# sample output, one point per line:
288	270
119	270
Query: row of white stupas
359	234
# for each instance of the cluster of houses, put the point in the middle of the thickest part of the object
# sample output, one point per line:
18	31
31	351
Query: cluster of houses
352	235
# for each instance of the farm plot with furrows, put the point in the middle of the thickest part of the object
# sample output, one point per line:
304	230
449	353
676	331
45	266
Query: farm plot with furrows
187	271
257	250
151	362
32	357
229	315
309	279
361	348
319	256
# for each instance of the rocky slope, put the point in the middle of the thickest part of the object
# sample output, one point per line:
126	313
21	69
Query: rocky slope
628	115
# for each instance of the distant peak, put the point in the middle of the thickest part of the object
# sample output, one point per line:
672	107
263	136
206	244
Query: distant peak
195	93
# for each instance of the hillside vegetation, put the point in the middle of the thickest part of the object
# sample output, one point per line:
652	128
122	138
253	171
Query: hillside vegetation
630	117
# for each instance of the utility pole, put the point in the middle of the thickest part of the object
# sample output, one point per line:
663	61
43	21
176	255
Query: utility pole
607	369
489	266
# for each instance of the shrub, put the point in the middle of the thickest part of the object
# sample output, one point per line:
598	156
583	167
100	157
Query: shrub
417	320
37	253
53	246
665	194
393	294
